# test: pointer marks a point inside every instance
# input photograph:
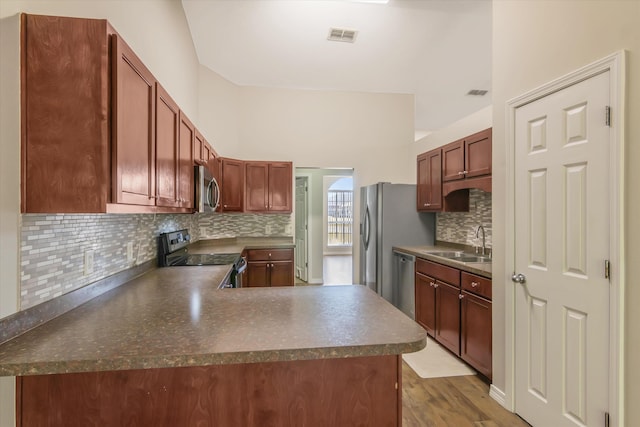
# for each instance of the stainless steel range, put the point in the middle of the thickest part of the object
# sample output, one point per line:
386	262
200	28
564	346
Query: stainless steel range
173	251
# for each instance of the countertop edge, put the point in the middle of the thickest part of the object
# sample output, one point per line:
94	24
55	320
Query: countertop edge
189	360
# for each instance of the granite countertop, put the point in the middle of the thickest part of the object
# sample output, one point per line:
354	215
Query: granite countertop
237	245
176	316
479	268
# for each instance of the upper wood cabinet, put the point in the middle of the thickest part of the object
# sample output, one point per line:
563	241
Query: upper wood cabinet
187	134
91	142
429	197
133	128
269	186
167	147
65	102
231	185
466	163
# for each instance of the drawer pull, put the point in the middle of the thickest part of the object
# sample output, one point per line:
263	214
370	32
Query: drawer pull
431	284
460	296
474	284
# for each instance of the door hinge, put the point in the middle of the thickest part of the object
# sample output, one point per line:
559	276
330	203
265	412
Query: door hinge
606	419
607	269
607	116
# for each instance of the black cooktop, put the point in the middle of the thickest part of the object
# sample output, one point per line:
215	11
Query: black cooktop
205	259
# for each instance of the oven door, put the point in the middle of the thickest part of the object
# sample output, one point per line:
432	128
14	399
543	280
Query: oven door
207	190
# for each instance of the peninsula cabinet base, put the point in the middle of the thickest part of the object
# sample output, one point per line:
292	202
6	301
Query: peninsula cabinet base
362	391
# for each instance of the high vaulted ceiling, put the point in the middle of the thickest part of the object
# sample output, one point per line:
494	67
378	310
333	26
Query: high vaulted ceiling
437	50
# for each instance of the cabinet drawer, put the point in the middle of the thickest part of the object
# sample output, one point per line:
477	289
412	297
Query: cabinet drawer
476	284
438	271
270	254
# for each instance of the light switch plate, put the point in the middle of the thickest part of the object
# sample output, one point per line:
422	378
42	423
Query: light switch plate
130	251
267	229
288	229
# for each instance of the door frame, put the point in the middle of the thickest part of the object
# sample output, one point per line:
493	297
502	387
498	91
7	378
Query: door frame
615	64
309	236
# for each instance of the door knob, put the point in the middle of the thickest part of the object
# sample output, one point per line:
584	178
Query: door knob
518	278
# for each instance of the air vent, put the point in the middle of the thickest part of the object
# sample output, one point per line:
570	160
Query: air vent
477	92
342	35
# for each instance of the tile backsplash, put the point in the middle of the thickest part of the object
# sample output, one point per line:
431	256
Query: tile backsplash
53	246
460	227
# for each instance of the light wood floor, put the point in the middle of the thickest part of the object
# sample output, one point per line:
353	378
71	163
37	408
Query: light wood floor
451	402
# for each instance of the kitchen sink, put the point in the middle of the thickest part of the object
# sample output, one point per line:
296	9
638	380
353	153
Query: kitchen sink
461	256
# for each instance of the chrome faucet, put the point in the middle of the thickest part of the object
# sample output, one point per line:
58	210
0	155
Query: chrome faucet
480	227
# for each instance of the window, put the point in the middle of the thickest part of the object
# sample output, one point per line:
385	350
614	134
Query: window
340	213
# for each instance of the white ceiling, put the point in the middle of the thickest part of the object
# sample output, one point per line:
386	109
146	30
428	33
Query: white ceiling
437	50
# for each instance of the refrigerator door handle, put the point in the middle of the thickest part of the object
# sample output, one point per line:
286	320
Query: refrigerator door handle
367	228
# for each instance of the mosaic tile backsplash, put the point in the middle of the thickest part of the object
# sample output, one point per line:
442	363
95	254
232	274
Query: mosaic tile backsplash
53	247
460	227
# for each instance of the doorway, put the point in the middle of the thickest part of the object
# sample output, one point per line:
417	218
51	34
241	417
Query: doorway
564	236
329	226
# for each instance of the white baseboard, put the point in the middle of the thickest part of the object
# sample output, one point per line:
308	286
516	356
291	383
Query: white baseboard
499	396
315	281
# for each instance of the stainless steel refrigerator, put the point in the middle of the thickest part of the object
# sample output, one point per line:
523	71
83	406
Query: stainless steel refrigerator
388	217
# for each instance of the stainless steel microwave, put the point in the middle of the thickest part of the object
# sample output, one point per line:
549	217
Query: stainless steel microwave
207	197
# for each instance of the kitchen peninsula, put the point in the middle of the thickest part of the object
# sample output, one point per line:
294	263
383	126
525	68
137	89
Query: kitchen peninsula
168	348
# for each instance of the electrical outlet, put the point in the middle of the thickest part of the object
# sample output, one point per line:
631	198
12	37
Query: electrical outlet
288	229
267	229
129	251
88	262
203	231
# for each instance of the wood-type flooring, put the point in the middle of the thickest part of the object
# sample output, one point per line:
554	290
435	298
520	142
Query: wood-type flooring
462	401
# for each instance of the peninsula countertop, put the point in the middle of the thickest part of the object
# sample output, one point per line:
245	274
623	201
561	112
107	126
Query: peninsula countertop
176	316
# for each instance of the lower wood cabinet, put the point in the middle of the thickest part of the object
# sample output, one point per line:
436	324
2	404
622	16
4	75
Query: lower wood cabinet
362	391
455	309
269	267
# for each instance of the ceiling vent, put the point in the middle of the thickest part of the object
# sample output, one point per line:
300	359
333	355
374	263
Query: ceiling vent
477	92
342	35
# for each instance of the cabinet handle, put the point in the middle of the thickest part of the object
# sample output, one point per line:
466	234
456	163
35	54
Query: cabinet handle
460	296
269	254
474	284
461	173
431	284
435	285
225	206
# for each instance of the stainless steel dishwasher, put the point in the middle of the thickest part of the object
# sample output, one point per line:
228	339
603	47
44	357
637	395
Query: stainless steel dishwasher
404	283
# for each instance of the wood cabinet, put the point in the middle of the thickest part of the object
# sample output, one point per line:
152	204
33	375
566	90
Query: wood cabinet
65	101
320	392
426	302
268	186
269	267
466	163
133	128
231	185
429	188
167	147
91	140
455	309
468	157
187	133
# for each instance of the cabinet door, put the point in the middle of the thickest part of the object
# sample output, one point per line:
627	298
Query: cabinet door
453	161
448	316
133	125
475	339
478	154
429	188
257	186
281	273
426	303
185	162
199	149
232	185
257	274
280	187
167	124
66	142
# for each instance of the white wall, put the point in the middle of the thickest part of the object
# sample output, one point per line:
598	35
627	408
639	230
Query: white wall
535	42
156	30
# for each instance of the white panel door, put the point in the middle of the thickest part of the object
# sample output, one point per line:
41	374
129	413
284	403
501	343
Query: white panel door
562	243
302	228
